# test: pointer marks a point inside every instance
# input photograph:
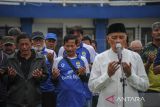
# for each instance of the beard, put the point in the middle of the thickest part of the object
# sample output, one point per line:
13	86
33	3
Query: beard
9	52
37	49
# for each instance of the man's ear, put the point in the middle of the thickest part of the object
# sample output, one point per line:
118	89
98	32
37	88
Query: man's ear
32	42
107	39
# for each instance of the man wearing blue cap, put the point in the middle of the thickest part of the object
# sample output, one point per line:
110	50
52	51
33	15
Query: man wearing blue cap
51	41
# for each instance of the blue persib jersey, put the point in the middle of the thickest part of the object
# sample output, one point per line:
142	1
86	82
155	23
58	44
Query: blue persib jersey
84	50
72	91
47	85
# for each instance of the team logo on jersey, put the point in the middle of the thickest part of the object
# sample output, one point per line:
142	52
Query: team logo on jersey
78	64
70	72
83	53
62	65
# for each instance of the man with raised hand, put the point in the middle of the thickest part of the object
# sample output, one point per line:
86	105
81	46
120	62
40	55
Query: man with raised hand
71	73
26	70
48	86
116	69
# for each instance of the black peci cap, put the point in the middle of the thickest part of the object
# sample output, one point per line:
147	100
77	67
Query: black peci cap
116	27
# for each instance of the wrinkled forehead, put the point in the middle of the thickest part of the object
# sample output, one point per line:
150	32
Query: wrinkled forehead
24	41
118	34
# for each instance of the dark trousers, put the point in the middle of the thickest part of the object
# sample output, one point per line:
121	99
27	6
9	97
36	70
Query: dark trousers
152	99
48	99
14	105
3	104
95	100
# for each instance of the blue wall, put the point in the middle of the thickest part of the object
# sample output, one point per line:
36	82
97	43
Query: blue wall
89	11
26	25
100	25
27	13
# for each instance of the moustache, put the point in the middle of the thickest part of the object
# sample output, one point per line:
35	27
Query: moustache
68	51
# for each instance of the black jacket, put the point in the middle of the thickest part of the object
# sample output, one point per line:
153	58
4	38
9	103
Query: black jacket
24	90
3	80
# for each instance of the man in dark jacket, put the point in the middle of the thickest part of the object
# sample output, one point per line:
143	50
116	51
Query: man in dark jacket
26	70
47	87
3	80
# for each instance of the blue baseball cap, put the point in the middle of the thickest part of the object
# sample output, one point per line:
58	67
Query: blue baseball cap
51	36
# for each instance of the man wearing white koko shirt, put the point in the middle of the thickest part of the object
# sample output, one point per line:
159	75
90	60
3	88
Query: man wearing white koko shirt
106	73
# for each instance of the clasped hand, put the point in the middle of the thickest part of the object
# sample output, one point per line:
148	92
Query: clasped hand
114	66
37	73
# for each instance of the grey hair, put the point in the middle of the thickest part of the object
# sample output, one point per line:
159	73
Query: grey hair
136	42
155	25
